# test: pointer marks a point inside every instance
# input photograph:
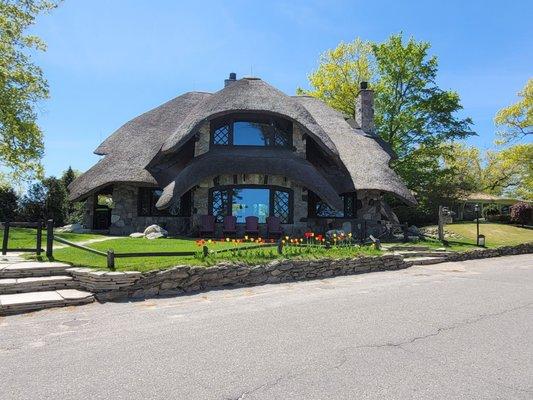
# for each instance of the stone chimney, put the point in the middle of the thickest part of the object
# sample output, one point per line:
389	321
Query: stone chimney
232	78
364	109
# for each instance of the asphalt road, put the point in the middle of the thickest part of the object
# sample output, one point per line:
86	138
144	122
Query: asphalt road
449	331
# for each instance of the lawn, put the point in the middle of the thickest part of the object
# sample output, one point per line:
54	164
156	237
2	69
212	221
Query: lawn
495	234
26	237
78	257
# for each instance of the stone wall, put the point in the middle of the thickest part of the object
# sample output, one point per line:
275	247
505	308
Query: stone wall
125	218
183	279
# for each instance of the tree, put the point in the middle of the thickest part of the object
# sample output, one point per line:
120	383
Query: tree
508	172
8	203
22	87
338	77
56	202
516	120
45	200
412	114
68	176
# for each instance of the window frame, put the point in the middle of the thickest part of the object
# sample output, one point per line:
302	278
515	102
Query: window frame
230	120
313	199
271	198
185	204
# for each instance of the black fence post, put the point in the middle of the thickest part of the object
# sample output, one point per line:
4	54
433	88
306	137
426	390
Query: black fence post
111	259
205	250
280	247
6	238
39	238
49	238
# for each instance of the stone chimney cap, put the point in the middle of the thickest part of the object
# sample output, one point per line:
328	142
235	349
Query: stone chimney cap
364	85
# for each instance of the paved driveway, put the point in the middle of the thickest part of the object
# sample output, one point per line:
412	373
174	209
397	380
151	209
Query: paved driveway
448	331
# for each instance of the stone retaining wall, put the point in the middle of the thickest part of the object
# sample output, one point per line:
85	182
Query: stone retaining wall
183	279
524	248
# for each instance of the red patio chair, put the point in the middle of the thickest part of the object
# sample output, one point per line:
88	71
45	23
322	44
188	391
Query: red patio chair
274	227
207	225
252	225
230	225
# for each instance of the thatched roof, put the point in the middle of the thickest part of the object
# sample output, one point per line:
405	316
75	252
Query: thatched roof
247	95
365	158
166	128
131	147
488	198
250	161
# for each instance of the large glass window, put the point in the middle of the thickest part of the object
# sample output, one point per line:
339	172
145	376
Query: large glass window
251	201
250	130
148	198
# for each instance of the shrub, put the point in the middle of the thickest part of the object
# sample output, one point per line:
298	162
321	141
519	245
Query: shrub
8	203
491	209
503	218
521	213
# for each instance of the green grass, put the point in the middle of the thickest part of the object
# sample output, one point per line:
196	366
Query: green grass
26	237
495	234
78	257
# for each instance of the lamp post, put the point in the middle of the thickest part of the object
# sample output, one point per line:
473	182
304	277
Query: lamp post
480	239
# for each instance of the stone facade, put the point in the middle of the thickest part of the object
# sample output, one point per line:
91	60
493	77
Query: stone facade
125	218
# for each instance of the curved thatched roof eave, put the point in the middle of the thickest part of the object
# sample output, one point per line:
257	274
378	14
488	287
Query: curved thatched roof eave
362	154
248	161
248	95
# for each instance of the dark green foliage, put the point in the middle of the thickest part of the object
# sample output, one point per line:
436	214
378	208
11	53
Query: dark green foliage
8	204
32	203
491	209
45	200
522	213
55	205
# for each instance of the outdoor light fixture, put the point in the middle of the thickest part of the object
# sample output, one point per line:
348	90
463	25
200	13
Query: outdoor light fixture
480	239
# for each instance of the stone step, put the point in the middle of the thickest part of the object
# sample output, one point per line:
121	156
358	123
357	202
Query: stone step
409	254
406	248
33	301
36	284
26	269
426	260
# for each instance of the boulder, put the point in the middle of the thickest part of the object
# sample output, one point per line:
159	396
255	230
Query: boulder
154	235
338	232
137	235
155	229
73	228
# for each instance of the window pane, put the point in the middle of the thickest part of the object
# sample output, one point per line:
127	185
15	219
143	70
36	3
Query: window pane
221	135
250	134
281	206
250	202
324	210
220	204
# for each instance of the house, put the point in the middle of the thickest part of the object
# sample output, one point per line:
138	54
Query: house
247	149
465	207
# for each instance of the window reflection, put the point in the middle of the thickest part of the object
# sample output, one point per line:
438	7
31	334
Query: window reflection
250	202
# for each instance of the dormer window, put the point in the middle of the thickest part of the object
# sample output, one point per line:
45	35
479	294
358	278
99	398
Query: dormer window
251	130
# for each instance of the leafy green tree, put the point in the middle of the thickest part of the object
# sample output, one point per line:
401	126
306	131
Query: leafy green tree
516	121
32	203
22	87
75	210
8	203
338	77
412	114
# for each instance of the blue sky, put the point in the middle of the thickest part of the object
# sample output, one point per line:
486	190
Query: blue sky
109	61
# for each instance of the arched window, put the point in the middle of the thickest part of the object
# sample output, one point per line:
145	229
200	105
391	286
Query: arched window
251	130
